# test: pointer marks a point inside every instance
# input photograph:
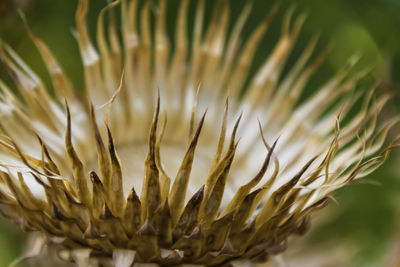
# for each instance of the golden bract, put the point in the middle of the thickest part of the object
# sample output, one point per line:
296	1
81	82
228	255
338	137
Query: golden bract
203	199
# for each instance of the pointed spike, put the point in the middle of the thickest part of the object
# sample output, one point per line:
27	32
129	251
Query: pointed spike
147	229
91	232
213	176
60	82
193	115
112	227
179	187
151	193
191	244
221	140
240	240
217	233
29	161
244	210
107	213
189	218
212	202
245	189
165	180
102	157
284	189
235	128
95	179
51	167
92	73
117	192
317	205
40	181
58	214
241	71
76	164
147	247
274	201
163	224
227	248
98	195
132	217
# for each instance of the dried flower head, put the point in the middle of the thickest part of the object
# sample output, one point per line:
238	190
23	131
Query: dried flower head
109	181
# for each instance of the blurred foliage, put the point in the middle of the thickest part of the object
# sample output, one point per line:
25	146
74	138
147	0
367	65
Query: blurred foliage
367	215
10	242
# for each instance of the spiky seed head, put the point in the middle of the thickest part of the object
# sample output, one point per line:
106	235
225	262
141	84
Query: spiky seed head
110	181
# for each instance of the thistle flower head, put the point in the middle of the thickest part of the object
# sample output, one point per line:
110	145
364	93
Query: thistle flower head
163	159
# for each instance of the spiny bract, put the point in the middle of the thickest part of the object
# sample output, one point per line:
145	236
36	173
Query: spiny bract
73	166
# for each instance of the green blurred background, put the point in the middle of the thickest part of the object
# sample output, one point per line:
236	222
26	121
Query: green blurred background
367	217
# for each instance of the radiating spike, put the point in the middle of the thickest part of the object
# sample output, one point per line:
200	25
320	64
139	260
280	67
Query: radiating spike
15	190
91	63
232	45
193	114
30	162
217	233
31	88
177	68
265	232
246	56
91	232
147	247
102	156
26	191
267	77
76	165
132	217
115	43
151	195
130	42
299	65
98	195
61	83
165	180
162	48
293	86
212	203
213	175
145	54
196	44
189	218
50	167
111	227
179	187
163	224
269	208
108	66
51	195
240	240
191	244
243	211
214	48
221	140
245	189
116	191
